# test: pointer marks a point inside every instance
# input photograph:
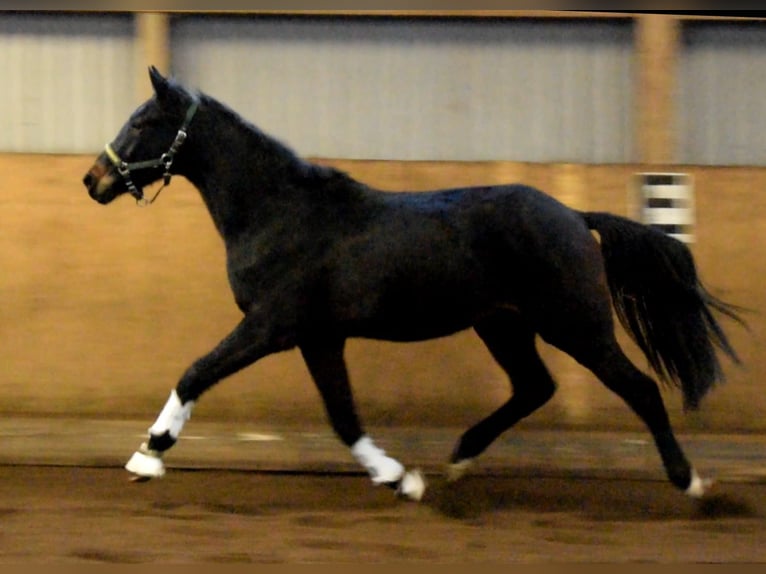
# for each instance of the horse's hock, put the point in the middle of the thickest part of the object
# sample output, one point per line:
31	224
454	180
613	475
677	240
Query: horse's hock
104	308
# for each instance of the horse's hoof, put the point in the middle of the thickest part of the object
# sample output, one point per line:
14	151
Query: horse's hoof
145	465
698	486
412	485
458	470
388	471
137	479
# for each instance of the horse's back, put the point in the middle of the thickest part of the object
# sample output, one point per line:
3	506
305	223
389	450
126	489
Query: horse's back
505	223
430	263
518	207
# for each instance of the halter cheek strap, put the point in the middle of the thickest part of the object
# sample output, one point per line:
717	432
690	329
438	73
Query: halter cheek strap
165	161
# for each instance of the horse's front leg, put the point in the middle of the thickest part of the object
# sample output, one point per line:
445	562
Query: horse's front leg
327	366
247	343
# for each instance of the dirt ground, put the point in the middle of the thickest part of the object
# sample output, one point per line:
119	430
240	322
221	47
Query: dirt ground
65	514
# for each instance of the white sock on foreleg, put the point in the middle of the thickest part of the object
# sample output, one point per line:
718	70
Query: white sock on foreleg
147	463
382	469
386	470
172	417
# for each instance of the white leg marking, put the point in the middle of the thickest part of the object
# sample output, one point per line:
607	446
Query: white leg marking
173	416
146	463
458	470
382	469
412	485
698	486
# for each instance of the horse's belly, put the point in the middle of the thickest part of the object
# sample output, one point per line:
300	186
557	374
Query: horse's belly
406	330
414	321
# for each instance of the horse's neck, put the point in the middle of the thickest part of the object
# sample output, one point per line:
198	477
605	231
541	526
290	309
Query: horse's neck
236	172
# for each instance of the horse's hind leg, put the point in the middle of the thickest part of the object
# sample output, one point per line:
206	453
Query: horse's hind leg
324	359
586	332
609	363
512	344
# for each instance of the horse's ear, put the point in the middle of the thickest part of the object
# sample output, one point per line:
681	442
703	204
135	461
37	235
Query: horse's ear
159	82
169	96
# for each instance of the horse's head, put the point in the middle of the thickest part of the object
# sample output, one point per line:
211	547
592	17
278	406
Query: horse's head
146	146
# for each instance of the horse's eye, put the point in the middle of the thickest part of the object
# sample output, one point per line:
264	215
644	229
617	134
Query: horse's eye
142	124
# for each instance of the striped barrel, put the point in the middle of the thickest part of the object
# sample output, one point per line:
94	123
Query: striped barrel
666	202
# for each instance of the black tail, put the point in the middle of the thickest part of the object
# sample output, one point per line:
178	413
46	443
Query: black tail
661	302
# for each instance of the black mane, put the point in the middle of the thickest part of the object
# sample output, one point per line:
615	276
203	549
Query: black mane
273	150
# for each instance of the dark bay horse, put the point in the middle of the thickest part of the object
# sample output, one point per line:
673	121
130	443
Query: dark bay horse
315	257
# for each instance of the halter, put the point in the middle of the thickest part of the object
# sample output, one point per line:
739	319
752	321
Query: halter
164	161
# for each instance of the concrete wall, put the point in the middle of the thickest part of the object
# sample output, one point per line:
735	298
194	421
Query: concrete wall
104	307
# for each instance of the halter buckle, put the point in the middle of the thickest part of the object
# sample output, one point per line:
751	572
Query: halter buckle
123	169
180	139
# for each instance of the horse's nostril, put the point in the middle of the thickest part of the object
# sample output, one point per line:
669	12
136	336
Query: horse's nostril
88	180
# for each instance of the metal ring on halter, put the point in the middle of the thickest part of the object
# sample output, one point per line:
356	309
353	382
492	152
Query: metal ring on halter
124	170
166	159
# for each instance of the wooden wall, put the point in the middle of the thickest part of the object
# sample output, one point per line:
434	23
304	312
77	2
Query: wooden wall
104	307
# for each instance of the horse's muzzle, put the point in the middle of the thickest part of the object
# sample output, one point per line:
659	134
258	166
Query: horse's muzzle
98	183
91	183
